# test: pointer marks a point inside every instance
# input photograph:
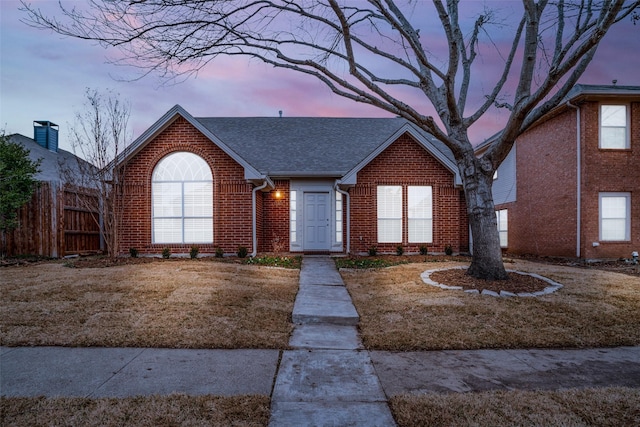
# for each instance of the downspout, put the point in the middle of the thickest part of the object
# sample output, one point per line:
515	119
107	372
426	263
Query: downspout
348	225
578	178
254	221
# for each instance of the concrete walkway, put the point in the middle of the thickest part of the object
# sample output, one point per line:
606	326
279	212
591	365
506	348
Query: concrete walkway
327	379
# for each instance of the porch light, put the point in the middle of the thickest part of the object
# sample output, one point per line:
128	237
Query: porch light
277	195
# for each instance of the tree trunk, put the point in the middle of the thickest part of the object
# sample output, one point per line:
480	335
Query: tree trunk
487	255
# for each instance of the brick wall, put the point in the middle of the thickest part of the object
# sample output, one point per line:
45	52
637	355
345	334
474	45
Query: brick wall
608	171
405	162
543	219
275	233
232	225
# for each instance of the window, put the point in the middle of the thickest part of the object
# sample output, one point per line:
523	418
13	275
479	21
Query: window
615	218
613	127
293	207
338	217
501	217
389	214
182	200
420	214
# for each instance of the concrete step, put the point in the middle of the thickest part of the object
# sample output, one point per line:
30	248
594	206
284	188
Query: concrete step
324	304
325	336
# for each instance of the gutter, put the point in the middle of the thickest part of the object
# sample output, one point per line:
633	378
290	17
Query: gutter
254	221
348	225
578	178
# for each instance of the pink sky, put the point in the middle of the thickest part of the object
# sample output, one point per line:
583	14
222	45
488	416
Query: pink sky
43	76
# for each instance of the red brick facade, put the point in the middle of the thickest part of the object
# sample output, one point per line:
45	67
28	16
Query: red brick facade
543	220
405	163
232	225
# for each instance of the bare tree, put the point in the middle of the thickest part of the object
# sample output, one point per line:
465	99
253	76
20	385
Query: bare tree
98	136
373	52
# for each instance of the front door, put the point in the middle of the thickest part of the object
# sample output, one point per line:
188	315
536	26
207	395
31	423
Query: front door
317	222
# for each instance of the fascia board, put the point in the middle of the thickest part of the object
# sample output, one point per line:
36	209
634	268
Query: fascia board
350	178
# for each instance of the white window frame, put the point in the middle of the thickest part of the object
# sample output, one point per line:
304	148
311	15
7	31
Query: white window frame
177	209
626	218
420	219
339	229
605	125
293	216
502	220
389	213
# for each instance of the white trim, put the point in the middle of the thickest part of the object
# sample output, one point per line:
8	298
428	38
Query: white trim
627	218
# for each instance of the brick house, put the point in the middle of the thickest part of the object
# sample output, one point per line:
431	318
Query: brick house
570	187
290	184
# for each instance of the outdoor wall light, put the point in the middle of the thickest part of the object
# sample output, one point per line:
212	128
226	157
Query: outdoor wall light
277	195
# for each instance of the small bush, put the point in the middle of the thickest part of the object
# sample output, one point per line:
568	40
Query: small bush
373	250
399	250
166	253
242	252
193	253
423	250
448	250
219	252
133	252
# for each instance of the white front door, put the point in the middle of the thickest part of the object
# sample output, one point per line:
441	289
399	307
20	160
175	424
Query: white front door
317	221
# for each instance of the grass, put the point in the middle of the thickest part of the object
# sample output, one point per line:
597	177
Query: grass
150	411
398	312
175	304
613	406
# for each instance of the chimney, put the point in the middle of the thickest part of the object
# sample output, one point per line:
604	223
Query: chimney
45	133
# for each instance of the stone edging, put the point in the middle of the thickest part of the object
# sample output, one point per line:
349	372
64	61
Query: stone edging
553	286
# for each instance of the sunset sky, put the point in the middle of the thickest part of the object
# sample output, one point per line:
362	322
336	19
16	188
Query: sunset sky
43	76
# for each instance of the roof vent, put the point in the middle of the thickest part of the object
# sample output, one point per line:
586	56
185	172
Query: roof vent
45	133
280	112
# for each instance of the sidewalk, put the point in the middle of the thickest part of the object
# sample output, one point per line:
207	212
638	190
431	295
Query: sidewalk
327	379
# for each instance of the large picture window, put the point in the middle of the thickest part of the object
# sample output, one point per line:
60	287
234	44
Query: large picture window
182	200
389	213
615	216
420	214
613	127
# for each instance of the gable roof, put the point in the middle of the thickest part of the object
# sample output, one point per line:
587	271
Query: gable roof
51	162
285	147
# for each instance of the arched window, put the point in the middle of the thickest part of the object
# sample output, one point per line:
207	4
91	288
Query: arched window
182	200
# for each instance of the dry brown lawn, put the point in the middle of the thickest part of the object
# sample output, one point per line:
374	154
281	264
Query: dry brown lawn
174	410
399	312
615	407
175	304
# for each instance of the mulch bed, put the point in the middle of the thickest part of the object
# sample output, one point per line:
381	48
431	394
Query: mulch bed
517	282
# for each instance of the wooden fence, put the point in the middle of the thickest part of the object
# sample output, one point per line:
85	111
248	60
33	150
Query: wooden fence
55	223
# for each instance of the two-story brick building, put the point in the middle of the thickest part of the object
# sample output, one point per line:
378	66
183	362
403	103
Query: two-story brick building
570	187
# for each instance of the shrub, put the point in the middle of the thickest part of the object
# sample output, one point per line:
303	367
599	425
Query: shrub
399	250
423	250
166	253
133	252
448	250
373	250
242	252
219	252
193	253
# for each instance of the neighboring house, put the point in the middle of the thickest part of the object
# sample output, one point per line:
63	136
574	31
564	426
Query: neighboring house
55	222
327	185
570	187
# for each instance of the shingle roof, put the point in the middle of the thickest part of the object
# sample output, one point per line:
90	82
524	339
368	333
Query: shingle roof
307	146
51	161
